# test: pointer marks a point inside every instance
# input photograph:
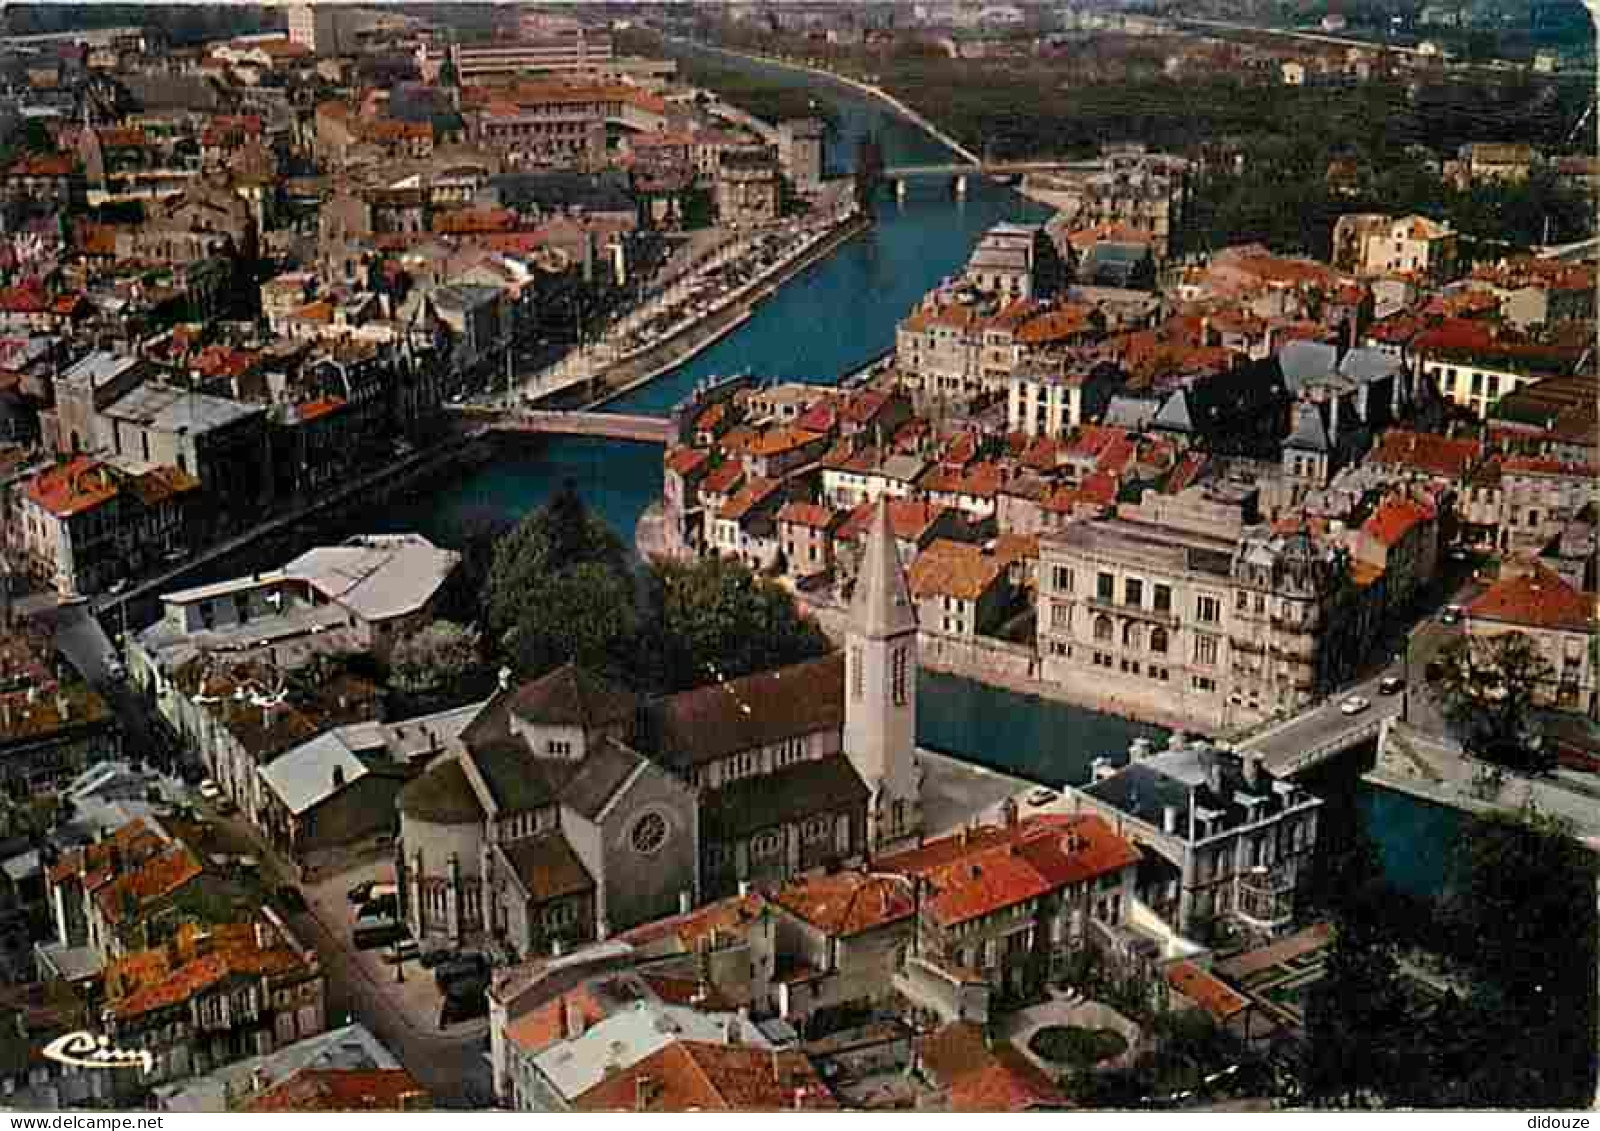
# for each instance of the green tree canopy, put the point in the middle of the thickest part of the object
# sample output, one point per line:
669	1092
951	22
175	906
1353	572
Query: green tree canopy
717	618
437	657
1487	686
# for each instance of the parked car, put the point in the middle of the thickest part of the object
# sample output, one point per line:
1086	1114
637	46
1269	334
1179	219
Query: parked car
386	906
1451	614
1042	796
1354	705
436	956
402	951
1391	685
373	932
361	892
464	970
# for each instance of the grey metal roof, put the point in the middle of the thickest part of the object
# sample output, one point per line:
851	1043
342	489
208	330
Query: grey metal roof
1305	363
98	368
352	1048
303	778
1309	432
377	577
1369	365
169	409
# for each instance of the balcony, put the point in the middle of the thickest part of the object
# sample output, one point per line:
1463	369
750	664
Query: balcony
1137	612
1264	900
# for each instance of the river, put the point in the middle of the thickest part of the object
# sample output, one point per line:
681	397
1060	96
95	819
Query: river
829	321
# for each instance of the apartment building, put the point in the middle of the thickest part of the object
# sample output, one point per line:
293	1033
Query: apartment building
1189	613
1474	366
545	50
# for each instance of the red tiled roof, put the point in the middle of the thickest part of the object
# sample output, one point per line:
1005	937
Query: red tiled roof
70	488
150	980
777	441
463	220
1539	599
954	569
723	479
43	165
25	298
155	878
342	1089
1533	465
848	903
1206	990
700	1076
907	518
1394	518
752	495
322	406
682	461
1427	451
981	1078
996	867
814	515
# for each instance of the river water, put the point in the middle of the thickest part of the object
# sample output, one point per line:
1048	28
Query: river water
838	315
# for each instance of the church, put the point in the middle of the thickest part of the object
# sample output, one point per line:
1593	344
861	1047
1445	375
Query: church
571	809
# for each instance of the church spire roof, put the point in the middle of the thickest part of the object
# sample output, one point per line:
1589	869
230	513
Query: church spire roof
881	606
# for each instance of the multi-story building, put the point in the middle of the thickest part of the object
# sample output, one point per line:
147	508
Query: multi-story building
1016	261
1474	366
748	189
323	28
1222	839
558	123
1375	245
212	994
800	149
1050	397
84	525
1147	192
1538	497
547	49
1012	902
1177	608
49	731
1559	619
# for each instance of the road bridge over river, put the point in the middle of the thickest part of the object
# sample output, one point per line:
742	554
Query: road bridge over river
549	422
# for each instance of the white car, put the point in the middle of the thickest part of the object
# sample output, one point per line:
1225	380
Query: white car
1354	705
209	790
1042	796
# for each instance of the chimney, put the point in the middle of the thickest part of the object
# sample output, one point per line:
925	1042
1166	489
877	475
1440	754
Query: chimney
643	1091
264	939
744	888
573	1023
734	1034
1169	820
258	1079
1252	770
338	777
685	902
1214	776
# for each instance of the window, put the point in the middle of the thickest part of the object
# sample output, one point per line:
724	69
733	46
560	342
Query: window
1205	649
790	751
1133	592
1158	641
1163	598
1060	615
858	677
1102	628
1130	634
817	830
649	834
1105	586
559	915
900	677
558	748
1204	683
1063	579
1244	601
1208	609
766	846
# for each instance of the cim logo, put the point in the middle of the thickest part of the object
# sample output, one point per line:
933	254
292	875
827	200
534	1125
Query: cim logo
85	1050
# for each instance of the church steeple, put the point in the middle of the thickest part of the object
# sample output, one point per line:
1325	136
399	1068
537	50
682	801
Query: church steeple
881	606
880	714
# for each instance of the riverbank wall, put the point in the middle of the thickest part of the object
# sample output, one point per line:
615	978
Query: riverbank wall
1004	665
274	540
623	377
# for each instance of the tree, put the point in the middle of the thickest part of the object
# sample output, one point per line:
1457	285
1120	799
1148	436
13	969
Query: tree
438	657
585	615
717	619
1487	686
562	535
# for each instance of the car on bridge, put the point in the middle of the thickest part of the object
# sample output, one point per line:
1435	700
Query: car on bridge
1391	685
1354	705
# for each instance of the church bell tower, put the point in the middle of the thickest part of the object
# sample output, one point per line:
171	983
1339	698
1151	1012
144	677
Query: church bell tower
880	727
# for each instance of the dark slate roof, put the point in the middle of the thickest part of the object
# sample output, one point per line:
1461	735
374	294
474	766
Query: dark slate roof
516	779
1144	789
571	696
547	867
708	723
557	190
442	794
794	793
608	765
1243	411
